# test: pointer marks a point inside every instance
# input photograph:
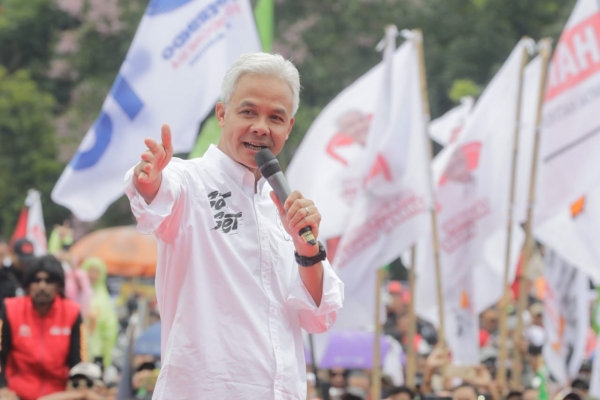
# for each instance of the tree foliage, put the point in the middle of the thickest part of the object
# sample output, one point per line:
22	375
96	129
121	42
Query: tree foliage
27	150
59	59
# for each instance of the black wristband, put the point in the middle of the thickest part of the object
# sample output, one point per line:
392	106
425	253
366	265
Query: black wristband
310	261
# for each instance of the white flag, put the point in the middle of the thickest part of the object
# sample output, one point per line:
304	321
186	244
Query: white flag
326	168
447	128
391	210
472	177
172	74
566	317
570	135
573	234
36	229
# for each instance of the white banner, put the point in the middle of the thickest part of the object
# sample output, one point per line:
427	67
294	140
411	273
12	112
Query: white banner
392	207
447	128
36	229
472	177
566	317
573	234
326	168
172	74
570	135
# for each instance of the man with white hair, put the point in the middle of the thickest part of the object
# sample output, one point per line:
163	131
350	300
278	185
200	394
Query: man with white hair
232	293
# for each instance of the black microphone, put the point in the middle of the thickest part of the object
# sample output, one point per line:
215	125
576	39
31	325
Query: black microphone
269	168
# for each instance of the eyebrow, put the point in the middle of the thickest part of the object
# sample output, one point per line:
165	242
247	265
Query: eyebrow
248	103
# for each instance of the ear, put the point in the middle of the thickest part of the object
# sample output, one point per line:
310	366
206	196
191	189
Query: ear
220	110
290	128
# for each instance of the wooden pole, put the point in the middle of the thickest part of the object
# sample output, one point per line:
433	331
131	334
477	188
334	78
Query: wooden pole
545	50
434	230
503	353
411	366
376	373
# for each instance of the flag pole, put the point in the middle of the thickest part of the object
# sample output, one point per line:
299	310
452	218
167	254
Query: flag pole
545	50
434	231
376	373
411	366
503	353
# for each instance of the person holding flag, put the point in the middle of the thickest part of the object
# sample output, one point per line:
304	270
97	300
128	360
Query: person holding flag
231	295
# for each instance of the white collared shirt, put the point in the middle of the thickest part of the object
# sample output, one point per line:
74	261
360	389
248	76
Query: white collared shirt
229	293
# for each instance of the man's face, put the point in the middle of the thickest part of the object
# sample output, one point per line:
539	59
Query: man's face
43	289
258	115
464	393
337	378
489	320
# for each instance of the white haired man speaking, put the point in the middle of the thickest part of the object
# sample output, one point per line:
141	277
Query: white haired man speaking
235	282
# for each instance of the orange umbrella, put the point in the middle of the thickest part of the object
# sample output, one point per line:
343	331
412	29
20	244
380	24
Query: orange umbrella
125	251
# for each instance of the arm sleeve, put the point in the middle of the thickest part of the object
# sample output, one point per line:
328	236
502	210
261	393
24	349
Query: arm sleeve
151	216
315	319
5	345
77	344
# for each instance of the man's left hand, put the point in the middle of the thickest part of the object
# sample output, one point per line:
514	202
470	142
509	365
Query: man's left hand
301	212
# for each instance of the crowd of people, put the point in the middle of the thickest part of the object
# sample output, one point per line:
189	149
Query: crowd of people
73	300
60	328
437	378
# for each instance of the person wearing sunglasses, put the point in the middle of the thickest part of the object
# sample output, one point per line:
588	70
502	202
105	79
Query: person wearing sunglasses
41	334
85	383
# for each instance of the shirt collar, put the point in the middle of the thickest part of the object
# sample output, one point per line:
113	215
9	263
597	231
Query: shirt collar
241	175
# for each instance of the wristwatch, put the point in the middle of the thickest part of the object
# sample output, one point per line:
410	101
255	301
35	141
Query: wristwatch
310	261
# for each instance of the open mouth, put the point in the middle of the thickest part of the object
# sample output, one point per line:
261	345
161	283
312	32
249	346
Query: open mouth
252	146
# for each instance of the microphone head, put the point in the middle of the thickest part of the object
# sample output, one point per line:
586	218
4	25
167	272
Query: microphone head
267	163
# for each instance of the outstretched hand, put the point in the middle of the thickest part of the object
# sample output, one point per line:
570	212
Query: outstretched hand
156	158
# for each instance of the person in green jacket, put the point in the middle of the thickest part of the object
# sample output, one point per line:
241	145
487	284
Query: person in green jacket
101	323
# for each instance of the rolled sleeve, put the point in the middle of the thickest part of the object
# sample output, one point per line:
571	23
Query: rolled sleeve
151	216
315	319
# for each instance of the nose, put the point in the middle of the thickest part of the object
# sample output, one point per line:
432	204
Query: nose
260	127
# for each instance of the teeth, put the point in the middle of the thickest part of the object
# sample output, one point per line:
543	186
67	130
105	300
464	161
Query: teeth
254	146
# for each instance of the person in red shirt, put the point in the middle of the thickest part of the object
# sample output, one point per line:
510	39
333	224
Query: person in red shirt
41	334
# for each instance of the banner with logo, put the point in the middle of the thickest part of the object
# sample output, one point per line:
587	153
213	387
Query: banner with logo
326	168
172	74
472	178
447	128
570	134
566	317
391	210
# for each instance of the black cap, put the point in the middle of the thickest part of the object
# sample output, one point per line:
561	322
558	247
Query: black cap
24	250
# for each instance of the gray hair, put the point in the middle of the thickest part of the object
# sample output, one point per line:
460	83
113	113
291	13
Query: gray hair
262	64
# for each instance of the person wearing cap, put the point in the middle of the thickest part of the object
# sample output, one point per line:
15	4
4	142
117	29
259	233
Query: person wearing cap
24	254
41	334
235	282
85	383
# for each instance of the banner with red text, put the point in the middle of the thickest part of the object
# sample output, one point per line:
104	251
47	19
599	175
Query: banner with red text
570	133
391	209
472	177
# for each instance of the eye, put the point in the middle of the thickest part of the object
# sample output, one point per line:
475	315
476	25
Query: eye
277	118
246	112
